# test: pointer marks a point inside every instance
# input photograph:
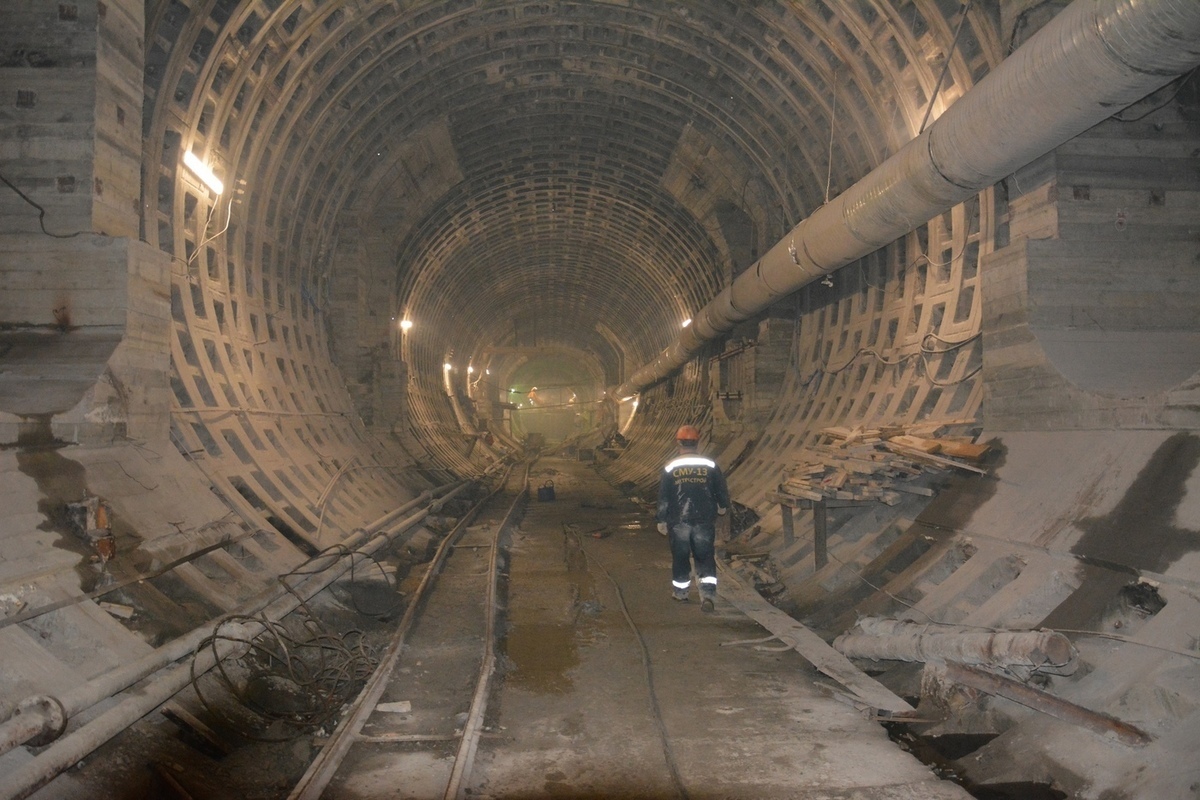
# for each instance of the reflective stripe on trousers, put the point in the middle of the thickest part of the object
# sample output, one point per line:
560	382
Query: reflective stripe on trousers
694	541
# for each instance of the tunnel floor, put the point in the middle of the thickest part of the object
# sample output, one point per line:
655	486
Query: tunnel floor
576	712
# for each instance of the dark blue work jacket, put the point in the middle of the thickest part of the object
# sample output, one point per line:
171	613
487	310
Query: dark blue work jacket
691	489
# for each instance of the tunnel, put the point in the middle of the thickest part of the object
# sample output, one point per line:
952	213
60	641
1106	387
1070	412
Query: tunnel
924	273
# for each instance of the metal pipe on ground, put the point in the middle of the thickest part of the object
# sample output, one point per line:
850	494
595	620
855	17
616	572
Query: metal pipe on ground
899	640
41	718
1047	703
1096	57
75	746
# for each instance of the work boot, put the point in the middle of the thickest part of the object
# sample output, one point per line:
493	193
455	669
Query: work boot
680	594
707	604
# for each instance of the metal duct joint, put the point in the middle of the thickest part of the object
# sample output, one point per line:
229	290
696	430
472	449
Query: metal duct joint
1094	58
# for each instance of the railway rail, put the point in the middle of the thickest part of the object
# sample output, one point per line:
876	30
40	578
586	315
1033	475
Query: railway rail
464	573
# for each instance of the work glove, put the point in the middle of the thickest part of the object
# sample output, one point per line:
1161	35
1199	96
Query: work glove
662	528
721	512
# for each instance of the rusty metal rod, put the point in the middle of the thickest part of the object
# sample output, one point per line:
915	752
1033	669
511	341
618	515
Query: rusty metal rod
1047	703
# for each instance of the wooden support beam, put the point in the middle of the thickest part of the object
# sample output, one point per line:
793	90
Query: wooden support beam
164	774
820	532
196	733
789	527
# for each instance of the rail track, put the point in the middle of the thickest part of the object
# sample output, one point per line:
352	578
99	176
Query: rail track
407	723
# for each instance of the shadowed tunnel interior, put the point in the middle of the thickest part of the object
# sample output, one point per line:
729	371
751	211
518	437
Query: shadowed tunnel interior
436	232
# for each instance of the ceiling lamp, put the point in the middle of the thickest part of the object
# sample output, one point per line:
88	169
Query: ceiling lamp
203	172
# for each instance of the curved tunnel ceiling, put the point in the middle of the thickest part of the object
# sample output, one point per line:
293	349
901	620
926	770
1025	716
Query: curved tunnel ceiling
578	154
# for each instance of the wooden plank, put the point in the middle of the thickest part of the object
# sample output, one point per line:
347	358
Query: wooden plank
174	785
203	737
918	443
819	535
951	447
947	462
808	644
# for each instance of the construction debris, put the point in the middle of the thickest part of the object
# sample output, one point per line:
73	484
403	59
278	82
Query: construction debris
759	568
878	464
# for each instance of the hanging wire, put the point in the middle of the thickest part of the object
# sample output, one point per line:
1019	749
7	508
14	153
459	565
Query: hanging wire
832	128
1178	88
41	212
937	87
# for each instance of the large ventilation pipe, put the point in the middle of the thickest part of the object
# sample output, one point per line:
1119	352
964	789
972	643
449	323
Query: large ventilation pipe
1093	59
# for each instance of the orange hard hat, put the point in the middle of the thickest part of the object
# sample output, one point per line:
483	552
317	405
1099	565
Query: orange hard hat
687	433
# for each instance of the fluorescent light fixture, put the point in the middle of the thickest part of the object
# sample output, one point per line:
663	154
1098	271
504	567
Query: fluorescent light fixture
406	324
203	172
687	322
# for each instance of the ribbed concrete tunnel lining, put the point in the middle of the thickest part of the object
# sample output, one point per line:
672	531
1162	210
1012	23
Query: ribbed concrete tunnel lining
579	111
513	76
539	182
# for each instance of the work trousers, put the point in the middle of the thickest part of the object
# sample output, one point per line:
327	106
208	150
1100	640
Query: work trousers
694	540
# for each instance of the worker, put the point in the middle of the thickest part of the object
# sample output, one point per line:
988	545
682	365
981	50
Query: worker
691	495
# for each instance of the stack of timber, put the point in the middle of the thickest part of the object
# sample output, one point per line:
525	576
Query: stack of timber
881	464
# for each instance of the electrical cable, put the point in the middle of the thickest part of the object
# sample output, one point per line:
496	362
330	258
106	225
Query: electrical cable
42	213
319	669
1161	105
946	67
337	552
1129	640
212	210
863	578
655	710
832	128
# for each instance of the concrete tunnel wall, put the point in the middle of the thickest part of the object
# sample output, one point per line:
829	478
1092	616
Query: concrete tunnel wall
526	178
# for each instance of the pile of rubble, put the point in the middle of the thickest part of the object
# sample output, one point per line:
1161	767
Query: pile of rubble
878	463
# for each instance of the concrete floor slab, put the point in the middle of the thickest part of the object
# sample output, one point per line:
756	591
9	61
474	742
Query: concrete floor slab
734	721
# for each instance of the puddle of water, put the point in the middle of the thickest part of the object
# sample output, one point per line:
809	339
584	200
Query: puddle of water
60	481
541	655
